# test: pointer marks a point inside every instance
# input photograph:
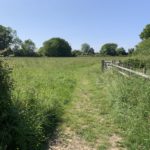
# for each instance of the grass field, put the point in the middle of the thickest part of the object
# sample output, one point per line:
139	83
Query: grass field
105	110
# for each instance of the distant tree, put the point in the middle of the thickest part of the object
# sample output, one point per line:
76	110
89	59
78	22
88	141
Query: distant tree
121	51
7	37
145	34
109	49
91	51
85	48
76	53
27	49
131	50
41	51
56	47
16	45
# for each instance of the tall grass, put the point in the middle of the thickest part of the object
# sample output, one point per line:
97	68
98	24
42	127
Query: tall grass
40	92
42	89
129	100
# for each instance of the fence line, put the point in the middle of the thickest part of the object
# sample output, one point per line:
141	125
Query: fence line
110	64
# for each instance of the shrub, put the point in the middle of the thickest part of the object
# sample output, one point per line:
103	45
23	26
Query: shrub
135	63
7	111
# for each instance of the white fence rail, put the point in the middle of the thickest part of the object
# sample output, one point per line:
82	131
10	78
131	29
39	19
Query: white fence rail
124	71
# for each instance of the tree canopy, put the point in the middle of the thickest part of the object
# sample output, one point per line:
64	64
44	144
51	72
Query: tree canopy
86	49
76	53
145	34
7	37
27	48
109	49
120	51
143	47
56	47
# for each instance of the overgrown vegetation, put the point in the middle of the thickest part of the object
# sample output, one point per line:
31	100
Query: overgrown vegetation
32	110
129	103
7	110
73	93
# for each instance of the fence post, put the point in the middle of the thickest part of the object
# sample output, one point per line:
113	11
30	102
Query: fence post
102	65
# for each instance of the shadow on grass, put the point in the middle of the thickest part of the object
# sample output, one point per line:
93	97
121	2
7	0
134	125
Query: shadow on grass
53	120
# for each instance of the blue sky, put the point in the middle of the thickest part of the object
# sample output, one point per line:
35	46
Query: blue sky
78	21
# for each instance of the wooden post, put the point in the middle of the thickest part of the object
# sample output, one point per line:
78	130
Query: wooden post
102	65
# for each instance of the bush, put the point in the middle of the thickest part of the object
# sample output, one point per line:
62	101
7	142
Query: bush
7	111
135	63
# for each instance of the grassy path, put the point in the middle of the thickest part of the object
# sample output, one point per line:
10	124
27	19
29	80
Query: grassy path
87	123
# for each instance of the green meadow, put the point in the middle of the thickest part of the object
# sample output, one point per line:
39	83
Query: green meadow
51	95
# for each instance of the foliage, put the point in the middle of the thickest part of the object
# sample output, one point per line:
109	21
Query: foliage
6	52
145	34
27	48
56	47
6	37
143	48
130	51
7	111
121	51
76	53
135	63
109	49
85	48
91	51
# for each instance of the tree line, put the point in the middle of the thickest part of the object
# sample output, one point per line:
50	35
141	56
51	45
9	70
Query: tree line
12	45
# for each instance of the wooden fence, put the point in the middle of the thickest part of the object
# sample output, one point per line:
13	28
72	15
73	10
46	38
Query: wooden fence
123	70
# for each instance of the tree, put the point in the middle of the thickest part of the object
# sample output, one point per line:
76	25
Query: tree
85	48
6	52
91	51
16	45
131	50
56	47
76	53
145	34
27	49
121	51
109	49
7	37
143	47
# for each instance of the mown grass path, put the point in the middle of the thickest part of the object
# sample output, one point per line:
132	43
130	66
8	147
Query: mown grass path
87	123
